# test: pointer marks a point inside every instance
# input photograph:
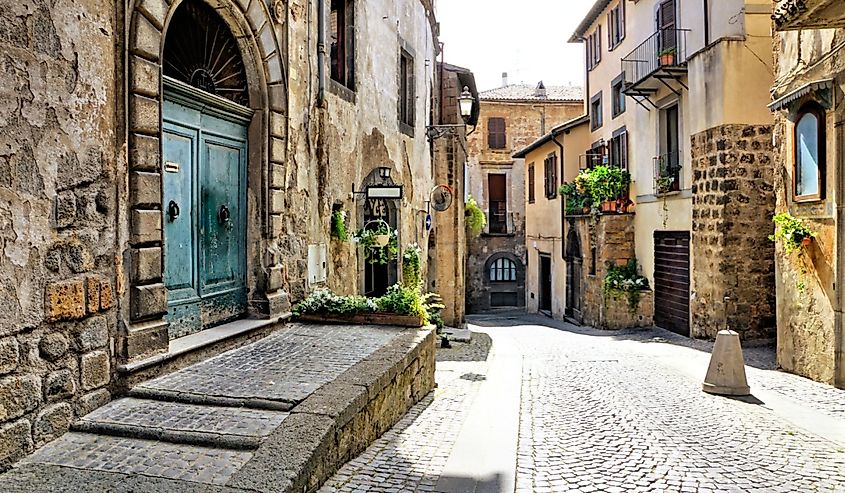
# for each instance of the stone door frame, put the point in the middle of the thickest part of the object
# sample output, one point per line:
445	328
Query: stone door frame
260	36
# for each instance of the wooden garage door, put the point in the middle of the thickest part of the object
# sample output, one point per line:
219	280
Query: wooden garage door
671	280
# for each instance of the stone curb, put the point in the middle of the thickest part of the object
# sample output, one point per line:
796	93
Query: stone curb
340	419
209	400
200	438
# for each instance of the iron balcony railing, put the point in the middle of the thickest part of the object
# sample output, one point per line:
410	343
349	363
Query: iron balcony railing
667	173
499	222
665	49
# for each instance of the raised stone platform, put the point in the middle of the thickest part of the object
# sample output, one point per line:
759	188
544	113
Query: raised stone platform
281	415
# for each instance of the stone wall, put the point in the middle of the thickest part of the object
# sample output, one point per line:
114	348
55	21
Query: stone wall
733	203
619	313
58	156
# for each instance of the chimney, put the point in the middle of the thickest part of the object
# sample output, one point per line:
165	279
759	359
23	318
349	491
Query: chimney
504	79
540	91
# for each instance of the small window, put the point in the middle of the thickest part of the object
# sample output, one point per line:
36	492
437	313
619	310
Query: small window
503	270
531	183
618	149
596	117
593	261
342	39
407	96
496	133
550	176
594	48
616	25
809	147
617	97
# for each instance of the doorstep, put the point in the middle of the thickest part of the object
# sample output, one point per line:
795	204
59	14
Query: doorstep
195	347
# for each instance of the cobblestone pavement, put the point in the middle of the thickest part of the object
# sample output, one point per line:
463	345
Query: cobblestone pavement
615	412
286	366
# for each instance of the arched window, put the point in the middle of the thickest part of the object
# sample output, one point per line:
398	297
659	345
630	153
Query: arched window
809	148
503	270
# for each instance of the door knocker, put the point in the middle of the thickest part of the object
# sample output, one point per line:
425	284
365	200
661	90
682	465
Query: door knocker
224	217
172	210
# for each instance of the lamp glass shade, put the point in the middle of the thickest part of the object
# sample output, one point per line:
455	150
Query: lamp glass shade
465	102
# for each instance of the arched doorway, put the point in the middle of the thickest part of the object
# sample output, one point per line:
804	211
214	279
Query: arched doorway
378	277
574	271
204	178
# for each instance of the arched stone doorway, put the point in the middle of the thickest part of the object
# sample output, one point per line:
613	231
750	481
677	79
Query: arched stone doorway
574	273
375	277
247	88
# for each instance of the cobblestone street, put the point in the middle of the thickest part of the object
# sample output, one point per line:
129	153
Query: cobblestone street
612	411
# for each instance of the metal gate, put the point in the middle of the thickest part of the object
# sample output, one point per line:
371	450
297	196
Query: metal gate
672	280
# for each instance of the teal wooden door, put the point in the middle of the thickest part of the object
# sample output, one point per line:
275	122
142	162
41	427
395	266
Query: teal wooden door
204	183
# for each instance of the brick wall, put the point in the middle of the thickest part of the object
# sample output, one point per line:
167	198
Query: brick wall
733	204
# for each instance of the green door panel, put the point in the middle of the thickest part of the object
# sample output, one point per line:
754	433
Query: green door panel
204	176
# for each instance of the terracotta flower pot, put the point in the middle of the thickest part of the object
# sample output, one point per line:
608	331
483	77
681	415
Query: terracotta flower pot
806	242
608	206
667	59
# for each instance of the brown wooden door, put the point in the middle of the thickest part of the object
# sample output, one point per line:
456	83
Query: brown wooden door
672	280
497	188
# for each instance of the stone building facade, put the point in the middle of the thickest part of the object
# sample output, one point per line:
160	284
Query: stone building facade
512	116
809	80
148	192
677	96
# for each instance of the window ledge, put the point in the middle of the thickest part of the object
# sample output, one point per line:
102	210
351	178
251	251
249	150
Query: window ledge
342	91
406	129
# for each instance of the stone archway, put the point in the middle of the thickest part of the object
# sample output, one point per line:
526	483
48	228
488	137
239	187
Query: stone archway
144	302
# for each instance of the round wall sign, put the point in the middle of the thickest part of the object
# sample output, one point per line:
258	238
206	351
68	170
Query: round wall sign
441	197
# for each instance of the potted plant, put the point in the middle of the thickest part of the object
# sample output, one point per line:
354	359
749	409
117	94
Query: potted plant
667	56
475	218
792	232
380	243
664	184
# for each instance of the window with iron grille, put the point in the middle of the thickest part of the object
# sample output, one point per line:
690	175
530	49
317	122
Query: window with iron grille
550	173
342	42
496	133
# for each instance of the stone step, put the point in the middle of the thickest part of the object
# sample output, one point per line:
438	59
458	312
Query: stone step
179	423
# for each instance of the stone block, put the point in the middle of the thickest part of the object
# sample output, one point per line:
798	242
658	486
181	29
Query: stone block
78	257
155	11
19	395
94	369
15	442
92	295
91	401
52	422
277	225
278	124
144	189
277	201
148	301
65	211
145	265
145	226
275	279
53	346
145	339
145	38
266	41
277	176
144	153
145	77
143	114
273	68
9	355
59	385
278	97
92	334
106	295
65	300
278	147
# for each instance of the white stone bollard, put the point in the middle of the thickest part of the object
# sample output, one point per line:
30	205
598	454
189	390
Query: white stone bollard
726	374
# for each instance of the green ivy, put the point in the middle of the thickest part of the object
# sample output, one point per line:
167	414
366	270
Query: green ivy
338	229
791	231
475	218
412	266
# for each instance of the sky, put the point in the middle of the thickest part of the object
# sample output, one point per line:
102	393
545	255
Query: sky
525	38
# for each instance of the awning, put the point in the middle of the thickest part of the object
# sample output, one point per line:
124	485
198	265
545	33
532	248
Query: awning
784	101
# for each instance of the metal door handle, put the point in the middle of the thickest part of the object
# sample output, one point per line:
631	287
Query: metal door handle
172	210
224	217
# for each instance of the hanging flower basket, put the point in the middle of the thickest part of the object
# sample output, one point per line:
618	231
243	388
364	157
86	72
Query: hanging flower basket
379	241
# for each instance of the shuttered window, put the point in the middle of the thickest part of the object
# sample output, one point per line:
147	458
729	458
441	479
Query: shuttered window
496	133
550	174
531	183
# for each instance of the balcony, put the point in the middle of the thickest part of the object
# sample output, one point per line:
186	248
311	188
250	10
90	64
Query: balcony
659	61
667	173
809	14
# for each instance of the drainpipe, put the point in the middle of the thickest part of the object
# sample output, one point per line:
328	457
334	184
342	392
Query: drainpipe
562	203
706	23
321	52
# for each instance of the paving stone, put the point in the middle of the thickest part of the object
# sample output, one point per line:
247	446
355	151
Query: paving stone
286	366
145	457
157	417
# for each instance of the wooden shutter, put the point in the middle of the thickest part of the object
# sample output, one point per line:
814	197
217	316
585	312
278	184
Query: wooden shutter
531	183
623	149
496	136
666	24
598	45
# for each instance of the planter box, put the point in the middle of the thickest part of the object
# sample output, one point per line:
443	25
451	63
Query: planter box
364	319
